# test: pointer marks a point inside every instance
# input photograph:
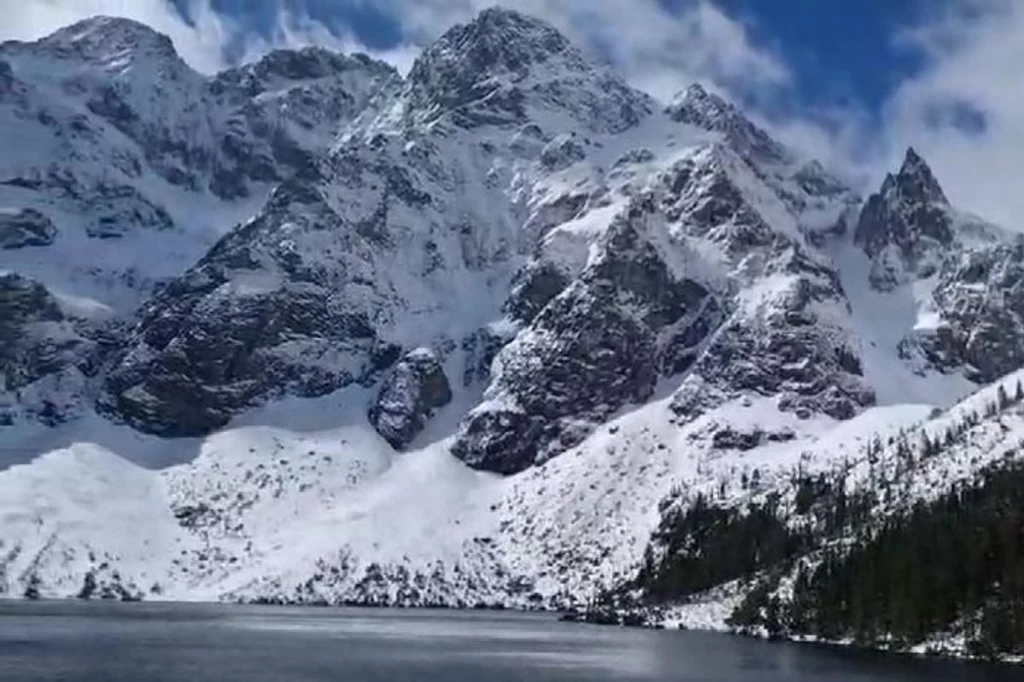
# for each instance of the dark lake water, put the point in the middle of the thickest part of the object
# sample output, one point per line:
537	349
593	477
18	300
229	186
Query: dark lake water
93	642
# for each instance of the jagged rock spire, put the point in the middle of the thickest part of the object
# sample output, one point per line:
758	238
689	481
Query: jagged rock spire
910	209
916	180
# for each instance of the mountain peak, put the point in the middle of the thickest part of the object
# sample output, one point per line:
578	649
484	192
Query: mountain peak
696	101
513	29
911	158
495	68
497	40
915	179
109	40
698	107
283	66
314	62
909	211
104	37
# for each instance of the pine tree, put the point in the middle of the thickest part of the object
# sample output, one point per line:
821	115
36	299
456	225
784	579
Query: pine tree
926	445
958	558
875	449
32	588
1002	399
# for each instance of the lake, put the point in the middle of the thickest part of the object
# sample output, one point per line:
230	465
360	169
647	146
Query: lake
113	642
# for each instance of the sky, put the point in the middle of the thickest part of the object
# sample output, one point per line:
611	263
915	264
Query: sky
850	82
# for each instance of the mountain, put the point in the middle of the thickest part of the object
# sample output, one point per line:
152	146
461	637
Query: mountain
492	333
135	164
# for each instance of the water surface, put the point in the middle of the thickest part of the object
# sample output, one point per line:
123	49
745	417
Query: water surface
112	642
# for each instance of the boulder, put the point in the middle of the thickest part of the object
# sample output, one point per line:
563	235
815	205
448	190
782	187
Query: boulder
25	227
414	389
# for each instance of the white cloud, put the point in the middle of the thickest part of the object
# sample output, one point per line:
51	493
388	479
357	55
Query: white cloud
294	30
975	61
963	110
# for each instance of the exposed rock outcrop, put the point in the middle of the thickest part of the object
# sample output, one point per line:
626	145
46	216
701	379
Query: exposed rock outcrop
599	345
414	388
25	227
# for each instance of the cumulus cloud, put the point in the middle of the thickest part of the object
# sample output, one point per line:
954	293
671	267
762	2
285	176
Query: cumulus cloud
965	110
295	30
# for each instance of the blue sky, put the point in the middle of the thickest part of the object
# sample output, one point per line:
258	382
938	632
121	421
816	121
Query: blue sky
839	49
850	82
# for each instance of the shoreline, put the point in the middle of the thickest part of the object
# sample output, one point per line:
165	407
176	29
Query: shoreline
692	617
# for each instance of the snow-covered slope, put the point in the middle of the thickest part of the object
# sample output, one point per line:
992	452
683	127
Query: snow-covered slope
138	164
458	338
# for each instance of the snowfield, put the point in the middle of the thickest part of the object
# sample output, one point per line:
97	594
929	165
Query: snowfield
268	512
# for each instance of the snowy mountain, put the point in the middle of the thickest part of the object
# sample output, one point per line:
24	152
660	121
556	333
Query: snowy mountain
310	331
135	164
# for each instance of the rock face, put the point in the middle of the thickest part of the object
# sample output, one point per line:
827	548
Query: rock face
112	136
322	304
980	296
415	387
785	346
252	320
24	303
25	227
456	178
910	213
599	345
45	355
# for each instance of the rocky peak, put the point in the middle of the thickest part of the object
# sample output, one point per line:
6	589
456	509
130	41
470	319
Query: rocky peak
910	212
284	67
498	41
305	63
915	181
495	68
698	107
108	40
